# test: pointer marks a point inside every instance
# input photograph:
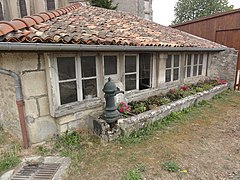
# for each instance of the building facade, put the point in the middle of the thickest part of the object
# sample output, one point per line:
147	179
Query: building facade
20	8
63	58
222	28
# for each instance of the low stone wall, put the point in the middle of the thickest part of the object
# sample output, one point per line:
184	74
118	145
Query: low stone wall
128	125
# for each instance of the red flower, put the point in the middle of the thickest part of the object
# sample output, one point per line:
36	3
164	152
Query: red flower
123	107
184	88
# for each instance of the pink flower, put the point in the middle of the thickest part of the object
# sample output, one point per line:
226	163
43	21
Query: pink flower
123	107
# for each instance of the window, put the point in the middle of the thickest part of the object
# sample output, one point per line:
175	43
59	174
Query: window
131	72
75	86
193	65
145	69
1	12
22	6
50	5
110	65
172	68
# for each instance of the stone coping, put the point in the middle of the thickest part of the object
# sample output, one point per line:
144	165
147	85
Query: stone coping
126	126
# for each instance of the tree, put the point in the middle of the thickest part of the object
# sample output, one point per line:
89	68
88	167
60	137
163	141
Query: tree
186	10
103	3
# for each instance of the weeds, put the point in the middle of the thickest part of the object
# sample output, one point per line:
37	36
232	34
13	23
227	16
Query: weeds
144	133
171	166
135	174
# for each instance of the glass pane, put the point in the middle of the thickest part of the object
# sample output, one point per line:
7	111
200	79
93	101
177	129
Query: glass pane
130	64
168	75
200	70
130	82
188	71
110	65
88	64
194	70
68	92
175	74
89	88
201	59
169	61
176	60
189	59
66	68
195	59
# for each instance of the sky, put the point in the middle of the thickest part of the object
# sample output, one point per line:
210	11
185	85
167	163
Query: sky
163	11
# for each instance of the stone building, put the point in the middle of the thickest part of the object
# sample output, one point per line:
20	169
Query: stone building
10	9
62	59
141	8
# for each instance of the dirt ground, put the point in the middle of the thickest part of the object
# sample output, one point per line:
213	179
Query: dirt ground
205	144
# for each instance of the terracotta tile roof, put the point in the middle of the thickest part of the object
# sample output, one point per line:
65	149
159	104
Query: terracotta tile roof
81	24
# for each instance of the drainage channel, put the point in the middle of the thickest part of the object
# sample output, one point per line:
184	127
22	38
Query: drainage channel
44	171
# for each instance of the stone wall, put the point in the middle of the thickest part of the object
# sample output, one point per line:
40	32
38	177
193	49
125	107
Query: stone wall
223	65
40	124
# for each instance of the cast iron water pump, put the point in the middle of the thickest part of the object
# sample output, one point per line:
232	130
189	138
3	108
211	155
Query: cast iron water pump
110	113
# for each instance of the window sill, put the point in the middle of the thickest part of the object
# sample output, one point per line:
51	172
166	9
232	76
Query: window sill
74	107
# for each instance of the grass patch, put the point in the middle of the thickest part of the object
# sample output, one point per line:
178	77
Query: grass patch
171	166
8	161
144	133
136	173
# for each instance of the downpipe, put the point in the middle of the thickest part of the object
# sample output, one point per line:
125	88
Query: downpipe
20	104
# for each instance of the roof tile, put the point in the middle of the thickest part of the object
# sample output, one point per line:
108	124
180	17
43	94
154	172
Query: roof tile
81	24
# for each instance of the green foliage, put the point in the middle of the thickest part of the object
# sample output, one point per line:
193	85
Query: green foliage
186	10
68	143
135	174
9	157
171	166
107	4
144	133
138	107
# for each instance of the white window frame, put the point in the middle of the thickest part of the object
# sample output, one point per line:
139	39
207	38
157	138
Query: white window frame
131	73
114	77
172	68
192	65
79	79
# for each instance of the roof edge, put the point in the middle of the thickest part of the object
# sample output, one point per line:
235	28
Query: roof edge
206	17
28	21
48	47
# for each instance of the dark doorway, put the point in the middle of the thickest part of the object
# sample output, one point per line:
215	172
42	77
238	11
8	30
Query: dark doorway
23	9
145	68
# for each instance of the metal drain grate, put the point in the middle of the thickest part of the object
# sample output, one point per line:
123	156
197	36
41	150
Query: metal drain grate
44	171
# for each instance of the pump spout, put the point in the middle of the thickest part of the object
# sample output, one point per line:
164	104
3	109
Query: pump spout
118	91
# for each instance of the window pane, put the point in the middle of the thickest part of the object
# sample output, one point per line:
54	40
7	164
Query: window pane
66	68
176	60
130	64
201	59
130	82
188	71
110	65
194	70
169	61
50	5
200	70
189	59
68	92
175	74
168	75
89	88
195	59
88	64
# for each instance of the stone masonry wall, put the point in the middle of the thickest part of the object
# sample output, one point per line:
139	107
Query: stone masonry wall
40	124
223	65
